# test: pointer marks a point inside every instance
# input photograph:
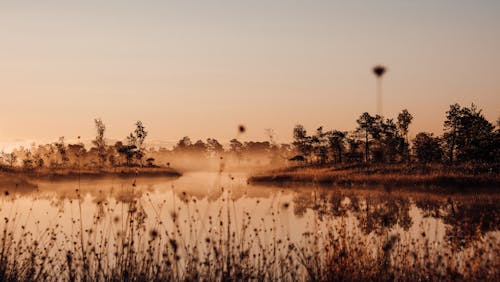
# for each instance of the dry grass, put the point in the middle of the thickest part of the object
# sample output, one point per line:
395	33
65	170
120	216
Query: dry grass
18	173
388	176
120	247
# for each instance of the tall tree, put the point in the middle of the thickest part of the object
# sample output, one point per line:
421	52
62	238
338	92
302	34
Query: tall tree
452	128
61	148
99	141
135	142
301	141
367	126
320	145
337	144
468	135
391	144
140	135
404	121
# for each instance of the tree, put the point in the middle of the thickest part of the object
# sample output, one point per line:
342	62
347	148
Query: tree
336	141
199	147
366	125
11	159
391	143
302	142
135	142
99	141
404	121
468	135
353	154
140	135
183	145
320	145
76	151
61	148
38	160
427	148
128	151
28	161
214	147
235	146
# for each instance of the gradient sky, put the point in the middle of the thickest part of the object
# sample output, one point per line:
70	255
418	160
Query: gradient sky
200	68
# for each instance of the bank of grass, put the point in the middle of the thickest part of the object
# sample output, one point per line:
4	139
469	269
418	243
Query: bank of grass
23	180
464	176
69	173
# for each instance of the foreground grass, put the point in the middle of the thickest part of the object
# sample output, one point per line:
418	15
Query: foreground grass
122	247
386	175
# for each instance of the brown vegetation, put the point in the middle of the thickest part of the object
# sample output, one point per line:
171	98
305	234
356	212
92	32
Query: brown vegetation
386	175
119	247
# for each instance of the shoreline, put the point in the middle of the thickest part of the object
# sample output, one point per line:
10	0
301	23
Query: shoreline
23	178
389	177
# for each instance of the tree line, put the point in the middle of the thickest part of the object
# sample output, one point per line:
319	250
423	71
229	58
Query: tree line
133	152
468	137
59	155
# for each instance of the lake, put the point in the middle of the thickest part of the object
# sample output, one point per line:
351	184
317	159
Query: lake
207	225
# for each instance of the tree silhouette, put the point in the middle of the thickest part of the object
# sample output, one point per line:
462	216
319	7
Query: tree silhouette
337	144
391	144
183	145
404	121
99	141
468	135
61	148
214	147
301	141
366	125
427	148
135	141
320	145
236	147
200	147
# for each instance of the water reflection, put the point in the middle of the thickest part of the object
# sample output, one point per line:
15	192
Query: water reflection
200	208
465	217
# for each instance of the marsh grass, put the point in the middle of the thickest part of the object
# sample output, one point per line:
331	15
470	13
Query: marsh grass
386	175
135	238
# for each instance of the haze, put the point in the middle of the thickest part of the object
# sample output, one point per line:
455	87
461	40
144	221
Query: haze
200	69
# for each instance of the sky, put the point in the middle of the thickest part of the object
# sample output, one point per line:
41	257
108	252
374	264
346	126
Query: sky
201	68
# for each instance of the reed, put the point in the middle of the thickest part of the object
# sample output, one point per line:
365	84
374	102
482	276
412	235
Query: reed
126	243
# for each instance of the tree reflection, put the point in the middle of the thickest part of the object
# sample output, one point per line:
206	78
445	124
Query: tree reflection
466	218
469	221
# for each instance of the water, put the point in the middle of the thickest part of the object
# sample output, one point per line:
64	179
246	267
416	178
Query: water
200	212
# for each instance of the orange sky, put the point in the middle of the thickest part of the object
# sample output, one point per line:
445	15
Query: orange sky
201	69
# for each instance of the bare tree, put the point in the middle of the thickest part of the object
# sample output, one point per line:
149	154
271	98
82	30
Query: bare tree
135	142
99	141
